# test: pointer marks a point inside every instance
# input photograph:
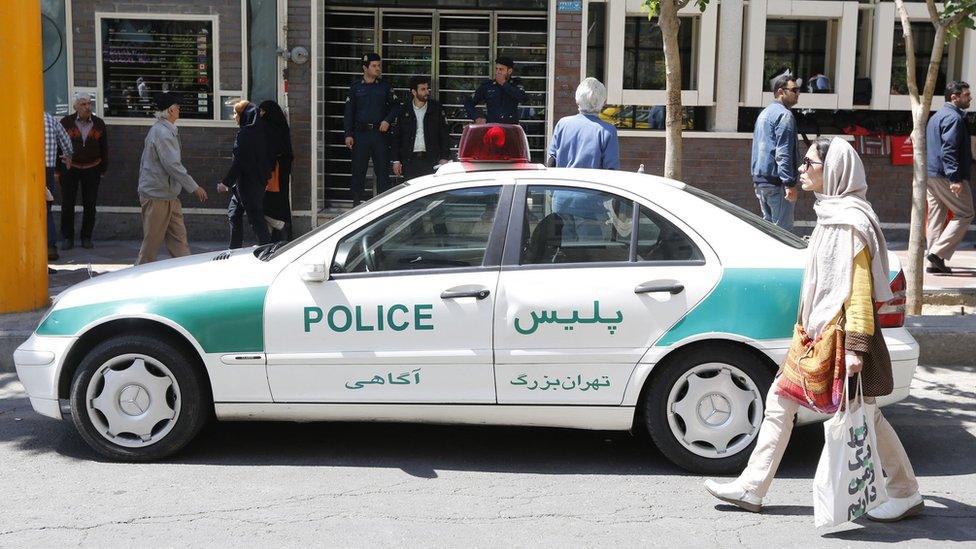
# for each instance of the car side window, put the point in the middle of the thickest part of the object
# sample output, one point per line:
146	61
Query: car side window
659	240
445	230
575	225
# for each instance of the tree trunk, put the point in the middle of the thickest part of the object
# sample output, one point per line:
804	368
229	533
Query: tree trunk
921	106
668	21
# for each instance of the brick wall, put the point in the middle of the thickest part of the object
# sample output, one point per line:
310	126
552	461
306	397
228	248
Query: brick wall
720	166
300	83
206	151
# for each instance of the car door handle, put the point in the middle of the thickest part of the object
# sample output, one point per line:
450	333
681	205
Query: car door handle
652	288
477	293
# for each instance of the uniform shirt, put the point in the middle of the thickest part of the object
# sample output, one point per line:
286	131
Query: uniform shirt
501	101
369	104
55	136
418	141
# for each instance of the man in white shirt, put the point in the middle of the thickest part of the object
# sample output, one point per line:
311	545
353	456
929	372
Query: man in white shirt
421	139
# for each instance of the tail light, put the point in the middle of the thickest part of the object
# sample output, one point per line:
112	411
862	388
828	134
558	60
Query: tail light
891	314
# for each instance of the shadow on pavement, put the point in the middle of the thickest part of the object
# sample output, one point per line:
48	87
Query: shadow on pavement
927	526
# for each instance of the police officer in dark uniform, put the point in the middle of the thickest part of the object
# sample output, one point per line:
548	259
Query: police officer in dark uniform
371	108
501	96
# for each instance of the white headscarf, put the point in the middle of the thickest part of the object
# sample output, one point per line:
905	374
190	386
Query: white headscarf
846	224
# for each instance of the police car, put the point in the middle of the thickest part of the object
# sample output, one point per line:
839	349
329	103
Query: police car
493	292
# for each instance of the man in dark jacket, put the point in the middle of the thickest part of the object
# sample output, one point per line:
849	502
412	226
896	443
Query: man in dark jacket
421	139
950	162
248	176
88	163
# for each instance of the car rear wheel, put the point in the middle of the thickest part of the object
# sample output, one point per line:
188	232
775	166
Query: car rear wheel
704	408
138	398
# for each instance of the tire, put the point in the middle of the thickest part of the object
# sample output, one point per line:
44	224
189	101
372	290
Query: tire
704	399
138	398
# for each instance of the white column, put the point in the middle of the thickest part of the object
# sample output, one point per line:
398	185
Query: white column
725	116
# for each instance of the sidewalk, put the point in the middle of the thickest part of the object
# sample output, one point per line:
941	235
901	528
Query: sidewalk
941	331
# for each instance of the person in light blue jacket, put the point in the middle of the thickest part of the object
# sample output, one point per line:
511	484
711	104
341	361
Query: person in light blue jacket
584	141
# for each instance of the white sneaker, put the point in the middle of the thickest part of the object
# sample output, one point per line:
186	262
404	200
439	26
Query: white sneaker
896	509
730	492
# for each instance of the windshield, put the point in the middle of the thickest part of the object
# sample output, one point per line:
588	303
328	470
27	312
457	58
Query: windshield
270	251
773	230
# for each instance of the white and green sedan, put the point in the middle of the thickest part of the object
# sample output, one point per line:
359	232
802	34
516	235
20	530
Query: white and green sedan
494	292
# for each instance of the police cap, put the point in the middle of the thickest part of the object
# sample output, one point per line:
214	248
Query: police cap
505	60
370	57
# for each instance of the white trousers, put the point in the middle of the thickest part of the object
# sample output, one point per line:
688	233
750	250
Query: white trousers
774	435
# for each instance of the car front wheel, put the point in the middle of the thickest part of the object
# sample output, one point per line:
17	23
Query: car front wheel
138	398
704	408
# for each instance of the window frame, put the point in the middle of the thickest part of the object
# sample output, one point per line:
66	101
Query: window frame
219	93
703	44
493	250
511	256
844	16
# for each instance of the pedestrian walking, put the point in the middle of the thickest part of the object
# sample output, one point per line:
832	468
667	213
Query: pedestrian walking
248	176
774	153
277	196
88	163
421	139
846	273
161	178
501	96
371	108
949	166
583	140
55	137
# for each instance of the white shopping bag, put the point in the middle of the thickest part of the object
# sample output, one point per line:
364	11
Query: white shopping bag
849	481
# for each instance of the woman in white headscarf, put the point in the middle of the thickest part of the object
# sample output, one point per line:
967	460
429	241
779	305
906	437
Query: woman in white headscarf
847	271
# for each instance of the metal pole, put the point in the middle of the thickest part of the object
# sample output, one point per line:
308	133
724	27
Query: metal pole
23	246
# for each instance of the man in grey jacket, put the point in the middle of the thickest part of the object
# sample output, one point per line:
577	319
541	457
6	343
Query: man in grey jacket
161	178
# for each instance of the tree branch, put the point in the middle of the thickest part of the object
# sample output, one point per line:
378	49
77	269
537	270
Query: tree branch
934	15
681	4
906	31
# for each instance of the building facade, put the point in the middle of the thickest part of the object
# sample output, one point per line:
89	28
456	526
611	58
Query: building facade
304	54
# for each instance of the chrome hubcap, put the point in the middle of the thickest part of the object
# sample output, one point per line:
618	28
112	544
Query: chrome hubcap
715	410
133	400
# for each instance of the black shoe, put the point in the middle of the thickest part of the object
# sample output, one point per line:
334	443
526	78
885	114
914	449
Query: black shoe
67	244
52	253
938	265
87	243
51	271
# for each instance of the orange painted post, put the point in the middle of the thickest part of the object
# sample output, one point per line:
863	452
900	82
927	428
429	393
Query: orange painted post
23	246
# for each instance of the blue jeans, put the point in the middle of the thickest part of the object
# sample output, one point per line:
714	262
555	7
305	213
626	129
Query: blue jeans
52	235
775	207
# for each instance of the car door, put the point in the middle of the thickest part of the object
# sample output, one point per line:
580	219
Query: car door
582	295
405	314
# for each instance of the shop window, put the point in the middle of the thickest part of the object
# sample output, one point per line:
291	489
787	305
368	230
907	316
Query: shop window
141	58
650	117
797	46
644	54
924	34
596	41
55	57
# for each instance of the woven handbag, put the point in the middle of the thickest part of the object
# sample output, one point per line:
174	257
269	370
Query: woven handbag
815	371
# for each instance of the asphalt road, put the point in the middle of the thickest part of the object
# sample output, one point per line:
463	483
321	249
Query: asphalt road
260	484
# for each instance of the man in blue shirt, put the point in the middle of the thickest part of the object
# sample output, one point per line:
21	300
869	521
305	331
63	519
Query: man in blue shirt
501	96
949	167
774	148
584	141
371	107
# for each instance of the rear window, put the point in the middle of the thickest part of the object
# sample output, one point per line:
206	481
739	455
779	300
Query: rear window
773	230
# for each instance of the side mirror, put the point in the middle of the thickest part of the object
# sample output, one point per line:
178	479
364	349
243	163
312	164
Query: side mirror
314	272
